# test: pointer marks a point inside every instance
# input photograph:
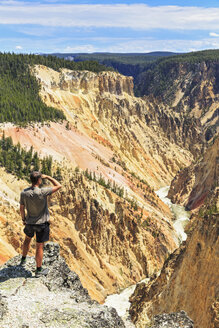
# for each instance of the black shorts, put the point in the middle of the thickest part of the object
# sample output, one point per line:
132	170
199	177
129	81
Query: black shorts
42	231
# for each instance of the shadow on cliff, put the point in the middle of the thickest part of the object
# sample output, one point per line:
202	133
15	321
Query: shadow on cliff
14	271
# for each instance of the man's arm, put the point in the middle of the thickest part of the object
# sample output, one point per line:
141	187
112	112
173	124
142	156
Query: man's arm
55	183
22	211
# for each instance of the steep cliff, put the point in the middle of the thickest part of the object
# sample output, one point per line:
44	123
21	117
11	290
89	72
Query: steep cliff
187	84
102	106
189	277
192	184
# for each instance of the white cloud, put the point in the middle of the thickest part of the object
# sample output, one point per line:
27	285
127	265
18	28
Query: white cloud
108	45
214	34
80	48
145	45
162	45
136	16
19	47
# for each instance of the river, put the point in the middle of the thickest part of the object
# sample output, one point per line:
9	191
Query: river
181	215
121	301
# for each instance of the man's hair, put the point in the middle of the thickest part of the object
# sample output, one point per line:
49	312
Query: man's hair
34	176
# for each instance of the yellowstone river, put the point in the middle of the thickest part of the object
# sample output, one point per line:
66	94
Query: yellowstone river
181	215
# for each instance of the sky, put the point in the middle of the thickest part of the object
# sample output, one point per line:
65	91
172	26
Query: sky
121	26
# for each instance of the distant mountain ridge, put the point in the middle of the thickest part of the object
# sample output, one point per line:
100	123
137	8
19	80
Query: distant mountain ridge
110	54
125	63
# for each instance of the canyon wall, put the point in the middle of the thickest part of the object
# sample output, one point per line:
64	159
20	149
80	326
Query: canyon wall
147	138
187	85
189	278
191	185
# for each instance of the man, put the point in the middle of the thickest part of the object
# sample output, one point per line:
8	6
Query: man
34	200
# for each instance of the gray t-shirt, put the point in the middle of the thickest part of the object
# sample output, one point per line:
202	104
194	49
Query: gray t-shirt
35	201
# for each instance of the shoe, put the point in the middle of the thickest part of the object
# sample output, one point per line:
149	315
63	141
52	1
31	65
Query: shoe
23	262
41	273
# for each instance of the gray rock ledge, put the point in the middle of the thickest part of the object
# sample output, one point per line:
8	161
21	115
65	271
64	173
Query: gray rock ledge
172	320
55	301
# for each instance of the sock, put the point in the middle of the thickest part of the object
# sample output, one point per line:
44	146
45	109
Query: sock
23	257
39	268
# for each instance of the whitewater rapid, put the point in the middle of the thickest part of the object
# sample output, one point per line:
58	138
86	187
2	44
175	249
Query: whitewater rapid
121	301
181	215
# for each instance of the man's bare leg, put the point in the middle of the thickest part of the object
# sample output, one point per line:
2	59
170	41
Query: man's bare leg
39	254
39	260
26	246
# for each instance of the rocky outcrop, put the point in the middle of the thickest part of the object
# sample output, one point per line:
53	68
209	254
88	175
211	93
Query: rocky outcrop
86	81
57	300
172	320
189	277
191	185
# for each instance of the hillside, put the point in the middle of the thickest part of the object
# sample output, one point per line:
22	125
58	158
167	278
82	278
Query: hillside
19	89
187	84
191	186
113	151
104	134
184	83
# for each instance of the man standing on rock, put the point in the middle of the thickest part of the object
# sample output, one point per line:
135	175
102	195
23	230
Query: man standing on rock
34	200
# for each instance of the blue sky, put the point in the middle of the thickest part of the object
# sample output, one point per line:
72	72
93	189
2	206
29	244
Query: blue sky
114	26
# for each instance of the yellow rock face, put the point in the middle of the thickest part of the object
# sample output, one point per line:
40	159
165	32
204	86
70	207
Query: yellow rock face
192	185
102	106
189	278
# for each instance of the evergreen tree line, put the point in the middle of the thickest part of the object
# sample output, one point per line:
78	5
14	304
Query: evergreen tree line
109	185
126	64
21	162
20	102
131	64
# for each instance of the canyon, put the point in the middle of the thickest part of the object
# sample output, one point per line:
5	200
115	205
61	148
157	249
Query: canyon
113	240
106	134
